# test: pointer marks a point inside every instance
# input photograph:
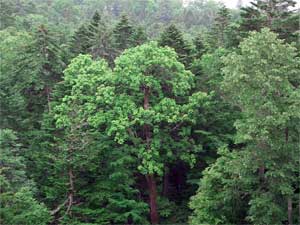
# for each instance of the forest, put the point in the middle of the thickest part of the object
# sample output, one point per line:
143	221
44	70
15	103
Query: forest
119	112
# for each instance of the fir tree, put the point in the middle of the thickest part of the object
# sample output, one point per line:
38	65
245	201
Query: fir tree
18	205
172	37
277	15
220	26
80	42
40	65
139	36
199	47
123	34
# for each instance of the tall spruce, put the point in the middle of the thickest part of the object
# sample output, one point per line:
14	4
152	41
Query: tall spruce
18	204
39	68
277	15
172	37
220	26
123	34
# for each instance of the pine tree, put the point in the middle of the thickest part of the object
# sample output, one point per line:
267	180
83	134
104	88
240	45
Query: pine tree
139	36
277	15
38	65
80	42
172	37
199	47
87	35
18	205
123	34
220	28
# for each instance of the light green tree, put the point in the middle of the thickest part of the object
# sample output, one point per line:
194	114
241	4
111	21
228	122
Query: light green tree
262	79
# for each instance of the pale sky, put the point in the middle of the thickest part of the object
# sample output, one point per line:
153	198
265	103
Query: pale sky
233	3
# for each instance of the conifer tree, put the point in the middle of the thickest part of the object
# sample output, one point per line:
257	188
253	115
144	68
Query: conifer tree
123	34
87	36
80	42
40	65
277	15
199	47
172	37
18	205
220	26
139	36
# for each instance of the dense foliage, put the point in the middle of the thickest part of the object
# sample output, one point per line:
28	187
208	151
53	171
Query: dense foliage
149	112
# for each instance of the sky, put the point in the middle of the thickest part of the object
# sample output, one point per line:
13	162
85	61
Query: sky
233	3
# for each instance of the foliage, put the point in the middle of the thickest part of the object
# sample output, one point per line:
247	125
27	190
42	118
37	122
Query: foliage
173	38
101	125
18	205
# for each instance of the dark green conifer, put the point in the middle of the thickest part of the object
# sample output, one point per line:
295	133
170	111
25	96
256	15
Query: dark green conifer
123	34
278	15
199	47
139	36
220	26
172	37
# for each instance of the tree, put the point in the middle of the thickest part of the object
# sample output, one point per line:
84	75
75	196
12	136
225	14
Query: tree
224	190
200	49
123	34
220	26
139	36
94	38
36	64
268	123
264	70
99	183
18	205
13	102
80	41
277	15
173	38
144	94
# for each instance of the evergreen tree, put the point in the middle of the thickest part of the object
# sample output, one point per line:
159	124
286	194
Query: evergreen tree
200	49
277	15
123	34
218	36
36	66
139	36
18	205
80	41
173	38
221	23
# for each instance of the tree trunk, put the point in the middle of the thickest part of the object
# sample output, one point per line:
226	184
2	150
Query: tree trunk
290	203
152	198
262	173
290	211
166	182
71	191
150	177
48	91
